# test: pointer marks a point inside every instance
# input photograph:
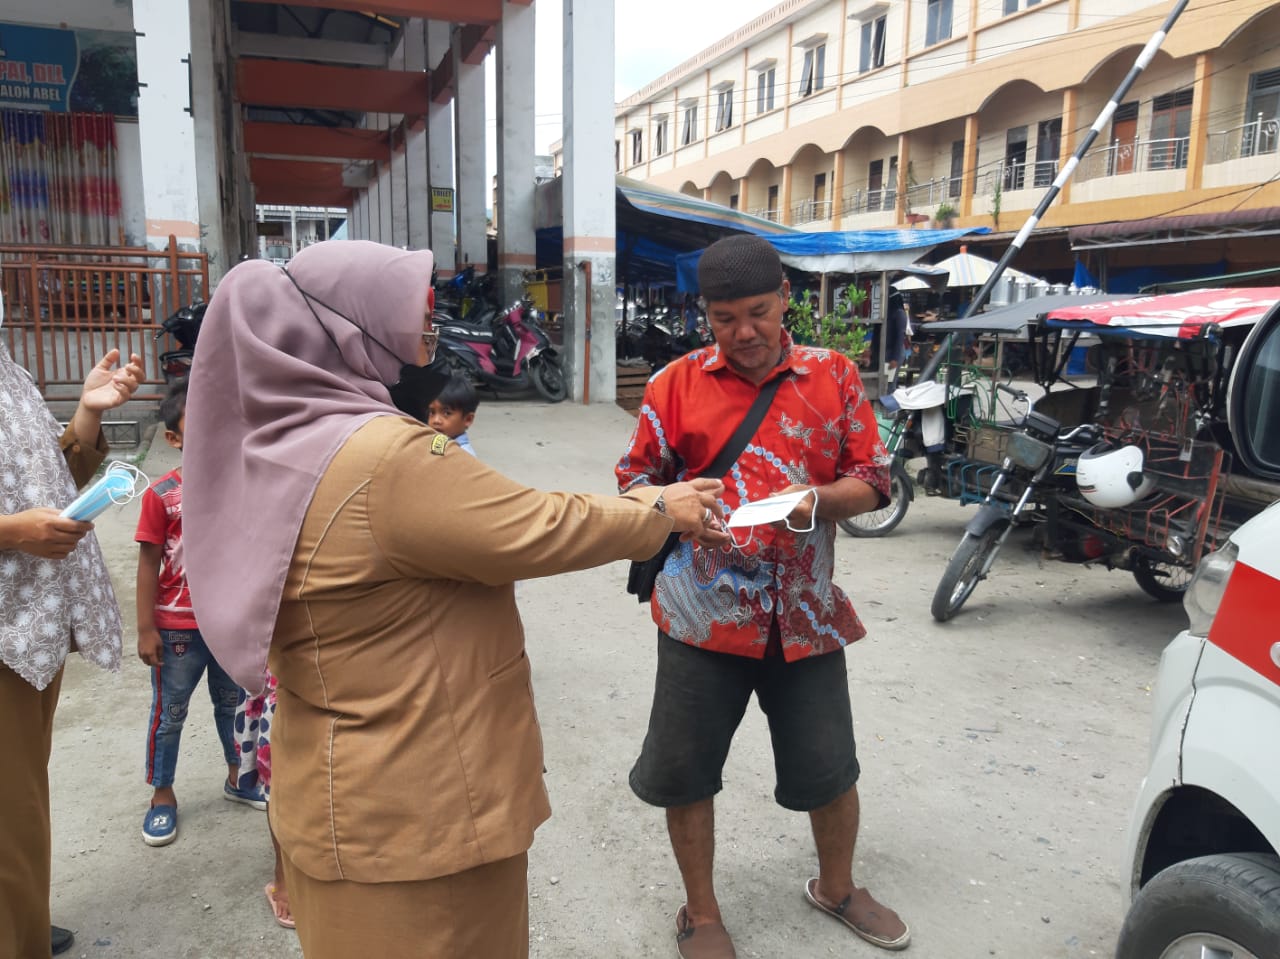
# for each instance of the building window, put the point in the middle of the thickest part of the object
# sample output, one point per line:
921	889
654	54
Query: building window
637	147
871	56
724	108
1261	111
617	156
1170	131
1012	6
1048	146
1015	158
771	211
733	201
660	137
689	132
764	90
937	22
955	185
875	185
813	73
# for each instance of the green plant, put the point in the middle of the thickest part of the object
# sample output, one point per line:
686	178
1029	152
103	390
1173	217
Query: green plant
997	196
838	331
944	212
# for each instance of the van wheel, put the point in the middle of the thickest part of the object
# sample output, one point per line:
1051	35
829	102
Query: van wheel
1221	906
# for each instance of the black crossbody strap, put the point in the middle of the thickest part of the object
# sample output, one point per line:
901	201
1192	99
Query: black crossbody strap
736	443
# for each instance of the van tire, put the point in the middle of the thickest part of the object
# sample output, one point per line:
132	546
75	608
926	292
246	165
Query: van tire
1231	901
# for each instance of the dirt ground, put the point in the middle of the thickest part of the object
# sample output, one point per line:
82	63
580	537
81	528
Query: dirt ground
1001	754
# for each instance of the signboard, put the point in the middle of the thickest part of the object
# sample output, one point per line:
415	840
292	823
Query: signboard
441	199
63	71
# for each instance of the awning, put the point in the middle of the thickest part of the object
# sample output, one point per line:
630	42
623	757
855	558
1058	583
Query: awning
680	206
1015	317
1177	229
847	251
1181	315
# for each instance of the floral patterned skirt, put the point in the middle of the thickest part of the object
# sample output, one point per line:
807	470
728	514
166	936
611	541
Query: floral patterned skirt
254	716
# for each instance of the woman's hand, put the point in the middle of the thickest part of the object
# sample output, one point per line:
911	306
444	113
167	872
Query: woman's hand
692	508
41	532
106	387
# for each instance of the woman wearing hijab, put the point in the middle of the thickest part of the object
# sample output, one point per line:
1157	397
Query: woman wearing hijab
372	562
55	596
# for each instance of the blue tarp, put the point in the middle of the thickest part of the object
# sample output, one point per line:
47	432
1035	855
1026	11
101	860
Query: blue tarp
846	251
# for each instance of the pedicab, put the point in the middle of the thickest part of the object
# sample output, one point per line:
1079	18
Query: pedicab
1145	466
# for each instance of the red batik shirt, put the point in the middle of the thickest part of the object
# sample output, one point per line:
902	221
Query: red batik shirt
819	428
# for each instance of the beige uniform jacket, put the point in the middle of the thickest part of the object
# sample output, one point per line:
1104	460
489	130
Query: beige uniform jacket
405	744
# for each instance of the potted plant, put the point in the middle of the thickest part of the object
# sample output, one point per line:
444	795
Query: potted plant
839	330
945	216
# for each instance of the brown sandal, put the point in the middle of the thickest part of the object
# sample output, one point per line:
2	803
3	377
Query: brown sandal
877	924
712	941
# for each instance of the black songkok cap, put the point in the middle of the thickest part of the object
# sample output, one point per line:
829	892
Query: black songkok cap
739	266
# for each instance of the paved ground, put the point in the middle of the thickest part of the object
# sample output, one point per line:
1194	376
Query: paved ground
1001	754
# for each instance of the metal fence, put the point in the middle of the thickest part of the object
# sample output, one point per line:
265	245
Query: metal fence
66	306
1259	137
1135	156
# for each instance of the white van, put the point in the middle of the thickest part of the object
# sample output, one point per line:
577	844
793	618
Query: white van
1205	833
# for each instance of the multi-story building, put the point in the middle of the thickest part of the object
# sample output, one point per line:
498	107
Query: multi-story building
854	114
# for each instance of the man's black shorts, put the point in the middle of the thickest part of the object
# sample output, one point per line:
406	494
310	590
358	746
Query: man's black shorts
700	698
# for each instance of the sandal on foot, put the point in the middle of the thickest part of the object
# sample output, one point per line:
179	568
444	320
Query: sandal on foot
708	940
286	921
877	924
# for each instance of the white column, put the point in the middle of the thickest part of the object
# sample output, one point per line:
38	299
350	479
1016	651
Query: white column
165	129
417	193
516	247
589	203
473	244
221	168
441	231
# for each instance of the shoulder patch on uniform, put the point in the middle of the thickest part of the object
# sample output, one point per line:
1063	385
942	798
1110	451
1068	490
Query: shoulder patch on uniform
439	443
169	483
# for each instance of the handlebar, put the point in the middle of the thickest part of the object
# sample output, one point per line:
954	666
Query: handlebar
1017	394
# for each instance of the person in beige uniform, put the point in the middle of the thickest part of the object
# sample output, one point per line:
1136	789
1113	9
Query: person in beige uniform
55	598
372	561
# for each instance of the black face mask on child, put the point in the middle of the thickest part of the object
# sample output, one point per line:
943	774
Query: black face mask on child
417	386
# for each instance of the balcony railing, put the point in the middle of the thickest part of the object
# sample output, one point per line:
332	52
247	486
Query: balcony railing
807	211
1256	138
868	200
1135	156
932	193
765	213
1016	175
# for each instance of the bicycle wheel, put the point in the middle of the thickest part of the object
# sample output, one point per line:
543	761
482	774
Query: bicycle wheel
882	521
965	570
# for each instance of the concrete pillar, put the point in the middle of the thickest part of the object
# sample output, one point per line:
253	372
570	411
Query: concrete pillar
441	229
969	186
1067	146
784	213
469	150
166	130
416	183
904	179
514	213
222	176
1199	135
589	201
837	190
386	193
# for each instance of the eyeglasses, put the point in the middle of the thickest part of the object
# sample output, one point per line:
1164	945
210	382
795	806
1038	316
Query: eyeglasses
431	338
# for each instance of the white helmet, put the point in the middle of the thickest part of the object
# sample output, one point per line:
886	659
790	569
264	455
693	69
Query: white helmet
1112	477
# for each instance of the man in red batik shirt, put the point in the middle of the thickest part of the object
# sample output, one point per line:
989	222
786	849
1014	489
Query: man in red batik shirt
763	616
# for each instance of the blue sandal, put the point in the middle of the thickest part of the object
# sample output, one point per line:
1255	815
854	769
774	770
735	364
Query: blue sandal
160	825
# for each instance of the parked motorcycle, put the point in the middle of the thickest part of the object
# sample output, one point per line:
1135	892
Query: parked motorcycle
1039	458
509	353
184	326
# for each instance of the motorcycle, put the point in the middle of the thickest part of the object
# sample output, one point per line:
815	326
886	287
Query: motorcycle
1039	462
184	326
508	353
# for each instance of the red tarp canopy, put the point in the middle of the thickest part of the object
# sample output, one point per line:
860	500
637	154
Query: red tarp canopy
1173	314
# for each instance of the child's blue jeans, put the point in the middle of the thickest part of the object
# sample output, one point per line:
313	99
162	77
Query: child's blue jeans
186	659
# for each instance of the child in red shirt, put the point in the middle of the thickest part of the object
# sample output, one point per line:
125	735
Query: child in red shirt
169	642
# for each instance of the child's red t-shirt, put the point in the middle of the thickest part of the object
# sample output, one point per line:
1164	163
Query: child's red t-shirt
160	523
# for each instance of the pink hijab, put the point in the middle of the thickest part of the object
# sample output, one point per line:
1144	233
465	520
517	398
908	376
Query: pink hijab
275	392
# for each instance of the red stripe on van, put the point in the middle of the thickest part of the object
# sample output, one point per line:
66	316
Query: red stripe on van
1245	623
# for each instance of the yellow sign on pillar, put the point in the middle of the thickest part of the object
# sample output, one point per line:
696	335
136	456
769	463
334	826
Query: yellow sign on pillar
441	199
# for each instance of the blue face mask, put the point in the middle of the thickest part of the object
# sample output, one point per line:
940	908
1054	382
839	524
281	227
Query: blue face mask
118	485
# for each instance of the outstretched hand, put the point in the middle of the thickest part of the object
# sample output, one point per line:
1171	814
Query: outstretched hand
106	387
692	508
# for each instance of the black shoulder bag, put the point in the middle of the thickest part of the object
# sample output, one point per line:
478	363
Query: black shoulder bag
644	574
